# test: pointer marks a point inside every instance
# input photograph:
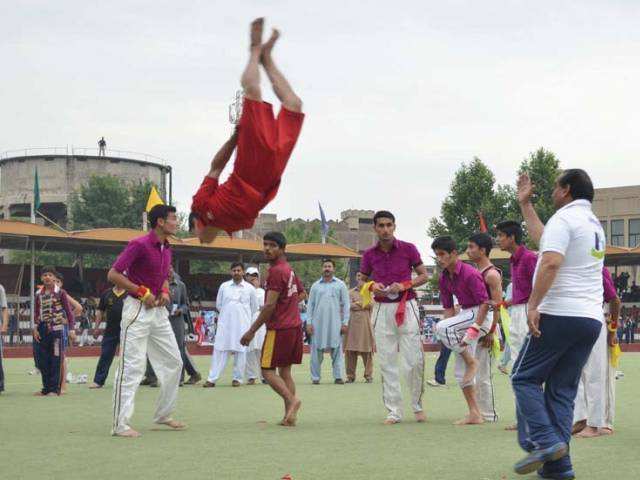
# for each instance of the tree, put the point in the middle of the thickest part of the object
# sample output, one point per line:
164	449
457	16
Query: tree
105	202
472	191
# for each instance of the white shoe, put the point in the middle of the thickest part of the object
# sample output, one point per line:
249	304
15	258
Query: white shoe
433	383
35	371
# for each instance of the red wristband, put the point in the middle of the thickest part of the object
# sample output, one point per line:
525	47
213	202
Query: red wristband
142	291
166	290
407	284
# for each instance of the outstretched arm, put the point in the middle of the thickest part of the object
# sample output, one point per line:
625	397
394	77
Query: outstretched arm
222	157
525	192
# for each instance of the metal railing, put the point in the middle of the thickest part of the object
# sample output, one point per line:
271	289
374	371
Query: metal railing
83	151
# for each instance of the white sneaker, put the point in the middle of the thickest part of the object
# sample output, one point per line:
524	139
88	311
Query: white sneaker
619	374
35	371
433	383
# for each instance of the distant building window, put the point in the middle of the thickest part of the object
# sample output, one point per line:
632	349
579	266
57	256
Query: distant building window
605	226
617	233
634	232
365	221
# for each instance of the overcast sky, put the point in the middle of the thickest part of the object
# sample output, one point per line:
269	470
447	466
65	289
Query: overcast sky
397	94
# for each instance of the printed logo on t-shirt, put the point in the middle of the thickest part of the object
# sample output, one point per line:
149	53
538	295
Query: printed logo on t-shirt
599	249
292	287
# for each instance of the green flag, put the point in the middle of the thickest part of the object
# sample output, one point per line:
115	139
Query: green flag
36	193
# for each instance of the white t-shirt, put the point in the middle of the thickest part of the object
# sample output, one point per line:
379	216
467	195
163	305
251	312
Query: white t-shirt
576	233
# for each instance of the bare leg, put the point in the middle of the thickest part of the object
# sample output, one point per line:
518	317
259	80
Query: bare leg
250	80
474	417
280	85
292	404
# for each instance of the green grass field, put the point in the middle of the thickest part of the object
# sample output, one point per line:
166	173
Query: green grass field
233	434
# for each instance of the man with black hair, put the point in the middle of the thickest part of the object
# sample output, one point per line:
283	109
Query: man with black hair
283	341
390	264
264	144
327	319
564	317
142	270
460	332
478	250
236	302
523	265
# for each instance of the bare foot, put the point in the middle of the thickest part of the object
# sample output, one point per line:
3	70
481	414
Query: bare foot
291	417
38	394
470	420
265	54
605	431
470	372
391	421
256	32
131	433
511	428
175	424
53	394
578	427
420	417
587	432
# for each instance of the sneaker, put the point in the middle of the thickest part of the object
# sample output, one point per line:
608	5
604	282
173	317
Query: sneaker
351	380
235	383
338	381
194	379
251	381
315	382
434	383
538	458
566	475
35	371
208	384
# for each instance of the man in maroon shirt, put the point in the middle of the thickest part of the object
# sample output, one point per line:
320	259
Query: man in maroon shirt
142	269
460	332
390	264
283	342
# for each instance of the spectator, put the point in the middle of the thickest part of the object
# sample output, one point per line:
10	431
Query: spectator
102	146
359	337
4	325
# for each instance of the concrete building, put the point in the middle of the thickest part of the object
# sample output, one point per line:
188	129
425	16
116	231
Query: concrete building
62	171
618	209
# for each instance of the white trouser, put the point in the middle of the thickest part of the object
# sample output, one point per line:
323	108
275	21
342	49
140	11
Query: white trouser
253	369
596	397
485	393
145	332
452	330
518	329
399	349
219	361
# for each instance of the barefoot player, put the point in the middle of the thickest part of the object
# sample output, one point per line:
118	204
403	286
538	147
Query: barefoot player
460	332
283	342
264	144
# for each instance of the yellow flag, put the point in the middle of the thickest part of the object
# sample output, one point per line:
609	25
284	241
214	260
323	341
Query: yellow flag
366	294
154	199
614	355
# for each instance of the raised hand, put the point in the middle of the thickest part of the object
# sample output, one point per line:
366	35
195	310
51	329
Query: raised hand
526	189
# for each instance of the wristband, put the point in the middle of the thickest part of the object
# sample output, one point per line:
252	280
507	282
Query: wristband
166	290
407	284
473	332
143	292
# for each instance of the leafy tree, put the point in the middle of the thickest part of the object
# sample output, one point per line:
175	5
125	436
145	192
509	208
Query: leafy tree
473	190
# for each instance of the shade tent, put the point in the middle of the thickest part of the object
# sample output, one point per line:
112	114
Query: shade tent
21	236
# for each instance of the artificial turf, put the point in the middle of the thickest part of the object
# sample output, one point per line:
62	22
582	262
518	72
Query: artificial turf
233	433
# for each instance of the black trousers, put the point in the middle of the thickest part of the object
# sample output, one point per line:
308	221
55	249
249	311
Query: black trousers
107	352
49	358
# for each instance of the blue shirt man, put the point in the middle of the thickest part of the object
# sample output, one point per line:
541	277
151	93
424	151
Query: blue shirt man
327	319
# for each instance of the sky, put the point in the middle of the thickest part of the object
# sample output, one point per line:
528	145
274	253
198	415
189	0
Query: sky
397	95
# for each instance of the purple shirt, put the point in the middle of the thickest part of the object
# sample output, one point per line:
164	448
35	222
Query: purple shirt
396	265
467	285
523	266
607	284
146	262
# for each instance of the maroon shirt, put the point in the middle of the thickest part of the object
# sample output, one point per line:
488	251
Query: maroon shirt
282	279
146	262
467	285
607	284
523	266
396	265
